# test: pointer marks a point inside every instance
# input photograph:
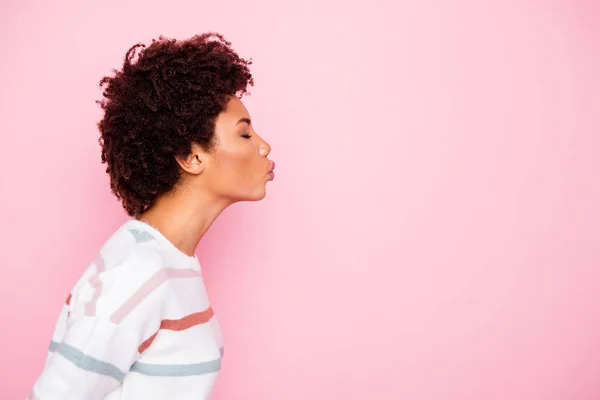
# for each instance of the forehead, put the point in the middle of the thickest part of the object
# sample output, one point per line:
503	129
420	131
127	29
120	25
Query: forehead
234	111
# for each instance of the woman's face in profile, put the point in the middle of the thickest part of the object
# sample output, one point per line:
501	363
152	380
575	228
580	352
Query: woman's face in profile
238	168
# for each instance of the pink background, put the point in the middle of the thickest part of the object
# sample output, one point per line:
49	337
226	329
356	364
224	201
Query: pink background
433	229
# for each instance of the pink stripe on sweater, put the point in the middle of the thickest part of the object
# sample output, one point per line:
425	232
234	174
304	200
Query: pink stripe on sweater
150	286
96	283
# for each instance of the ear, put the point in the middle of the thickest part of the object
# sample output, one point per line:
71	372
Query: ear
194	162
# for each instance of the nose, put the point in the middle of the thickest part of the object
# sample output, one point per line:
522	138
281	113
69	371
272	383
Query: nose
265	148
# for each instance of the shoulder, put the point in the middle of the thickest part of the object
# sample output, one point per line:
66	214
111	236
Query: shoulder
120	279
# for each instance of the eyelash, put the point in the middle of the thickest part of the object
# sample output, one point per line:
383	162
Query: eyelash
247	136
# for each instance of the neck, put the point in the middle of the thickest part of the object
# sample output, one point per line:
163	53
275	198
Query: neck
183	217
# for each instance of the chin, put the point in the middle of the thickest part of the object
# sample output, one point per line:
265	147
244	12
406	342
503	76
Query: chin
257	196
260	196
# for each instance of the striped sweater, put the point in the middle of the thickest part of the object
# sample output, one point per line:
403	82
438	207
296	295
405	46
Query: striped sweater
137	325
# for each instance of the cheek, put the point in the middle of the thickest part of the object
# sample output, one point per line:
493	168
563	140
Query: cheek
236	165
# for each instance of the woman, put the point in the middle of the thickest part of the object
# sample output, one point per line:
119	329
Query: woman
179	147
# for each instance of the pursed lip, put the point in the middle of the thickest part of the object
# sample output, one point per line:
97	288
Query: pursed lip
272	166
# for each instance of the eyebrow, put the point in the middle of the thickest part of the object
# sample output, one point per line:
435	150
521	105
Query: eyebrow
246	120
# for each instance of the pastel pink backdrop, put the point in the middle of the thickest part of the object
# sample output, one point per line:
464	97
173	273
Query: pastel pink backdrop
432	232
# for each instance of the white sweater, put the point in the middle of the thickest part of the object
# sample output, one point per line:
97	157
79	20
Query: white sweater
137	325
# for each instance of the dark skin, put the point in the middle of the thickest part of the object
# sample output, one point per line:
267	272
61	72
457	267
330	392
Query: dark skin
237	169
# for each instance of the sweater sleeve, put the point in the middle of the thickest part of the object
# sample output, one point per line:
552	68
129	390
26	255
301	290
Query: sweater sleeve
91	361
115	313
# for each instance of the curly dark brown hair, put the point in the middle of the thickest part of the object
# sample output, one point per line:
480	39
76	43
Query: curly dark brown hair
156	107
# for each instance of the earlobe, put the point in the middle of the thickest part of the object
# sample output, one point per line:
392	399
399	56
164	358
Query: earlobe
198	164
